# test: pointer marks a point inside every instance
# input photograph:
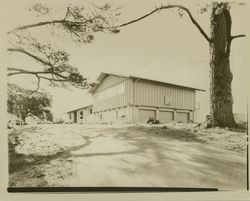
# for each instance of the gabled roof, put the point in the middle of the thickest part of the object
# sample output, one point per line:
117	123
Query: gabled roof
85	107
105	74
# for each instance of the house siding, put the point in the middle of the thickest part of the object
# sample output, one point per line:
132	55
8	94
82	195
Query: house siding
148	93
165	101
110	81
115	101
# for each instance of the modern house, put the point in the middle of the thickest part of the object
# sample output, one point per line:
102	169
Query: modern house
132	99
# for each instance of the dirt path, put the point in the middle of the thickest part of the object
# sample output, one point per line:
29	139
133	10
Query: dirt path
137	156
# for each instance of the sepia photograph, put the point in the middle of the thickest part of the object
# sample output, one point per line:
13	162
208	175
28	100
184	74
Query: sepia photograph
126	94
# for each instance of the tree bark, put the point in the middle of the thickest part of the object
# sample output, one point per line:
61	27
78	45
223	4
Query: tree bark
221	99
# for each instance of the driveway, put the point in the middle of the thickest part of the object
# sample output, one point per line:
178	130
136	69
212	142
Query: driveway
139	156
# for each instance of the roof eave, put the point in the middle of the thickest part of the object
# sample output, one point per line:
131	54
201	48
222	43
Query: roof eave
91	105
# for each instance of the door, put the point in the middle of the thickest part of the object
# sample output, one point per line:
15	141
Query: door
183	117
145	114
166	116
75	117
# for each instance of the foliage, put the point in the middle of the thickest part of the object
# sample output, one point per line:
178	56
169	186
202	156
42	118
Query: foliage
22	103
79	24
220	39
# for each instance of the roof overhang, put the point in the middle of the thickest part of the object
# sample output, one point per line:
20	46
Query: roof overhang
81	108
168	83
103	75
100	78
98	81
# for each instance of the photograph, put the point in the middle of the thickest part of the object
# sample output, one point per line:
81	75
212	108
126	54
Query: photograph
125	95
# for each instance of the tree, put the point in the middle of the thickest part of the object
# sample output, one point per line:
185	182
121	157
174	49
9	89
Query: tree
22	102
221	99
79	23
82	25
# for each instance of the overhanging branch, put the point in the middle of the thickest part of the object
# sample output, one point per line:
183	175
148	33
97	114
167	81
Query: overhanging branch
169	7
238	36
22	71
20	50
35	25
54	78
64	21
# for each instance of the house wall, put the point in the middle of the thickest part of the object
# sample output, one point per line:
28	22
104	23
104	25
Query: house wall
83	116
147	93
141	94
70	117
134	113
120	100
80	118
115	115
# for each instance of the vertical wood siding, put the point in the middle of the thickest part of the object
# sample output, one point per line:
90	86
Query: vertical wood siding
148	93
115	101
110	81
144	93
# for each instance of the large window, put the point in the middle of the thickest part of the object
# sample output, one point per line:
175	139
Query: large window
110	92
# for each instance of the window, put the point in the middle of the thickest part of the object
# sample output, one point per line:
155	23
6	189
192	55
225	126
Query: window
69	116
81	114
90	111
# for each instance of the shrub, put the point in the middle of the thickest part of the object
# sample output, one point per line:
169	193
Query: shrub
150	120
157	122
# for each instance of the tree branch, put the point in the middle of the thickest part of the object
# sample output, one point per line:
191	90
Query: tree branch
169	7
238	36
31	55
60	78
36	25
52	22
22	71
38	83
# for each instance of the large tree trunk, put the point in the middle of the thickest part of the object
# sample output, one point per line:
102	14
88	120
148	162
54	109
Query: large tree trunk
221	100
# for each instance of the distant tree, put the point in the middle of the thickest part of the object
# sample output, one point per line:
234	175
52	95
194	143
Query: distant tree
221	99
22	103
49	115
78	23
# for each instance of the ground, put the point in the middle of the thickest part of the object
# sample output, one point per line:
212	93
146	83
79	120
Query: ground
171	155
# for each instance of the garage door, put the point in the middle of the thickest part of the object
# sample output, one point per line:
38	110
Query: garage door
144	115
182	117
166	116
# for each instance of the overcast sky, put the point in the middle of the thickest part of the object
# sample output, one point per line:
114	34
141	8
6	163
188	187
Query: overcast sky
163	46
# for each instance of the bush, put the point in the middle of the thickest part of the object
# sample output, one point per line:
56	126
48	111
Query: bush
157	122
150	120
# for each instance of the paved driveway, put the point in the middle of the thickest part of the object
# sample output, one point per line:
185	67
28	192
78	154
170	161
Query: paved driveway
141	157
78	155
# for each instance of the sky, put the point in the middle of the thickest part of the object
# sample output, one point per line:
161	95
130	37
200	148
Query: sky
163	46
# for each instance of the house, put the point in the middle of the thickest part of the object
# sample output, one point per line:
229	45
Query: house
132	99
81	115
